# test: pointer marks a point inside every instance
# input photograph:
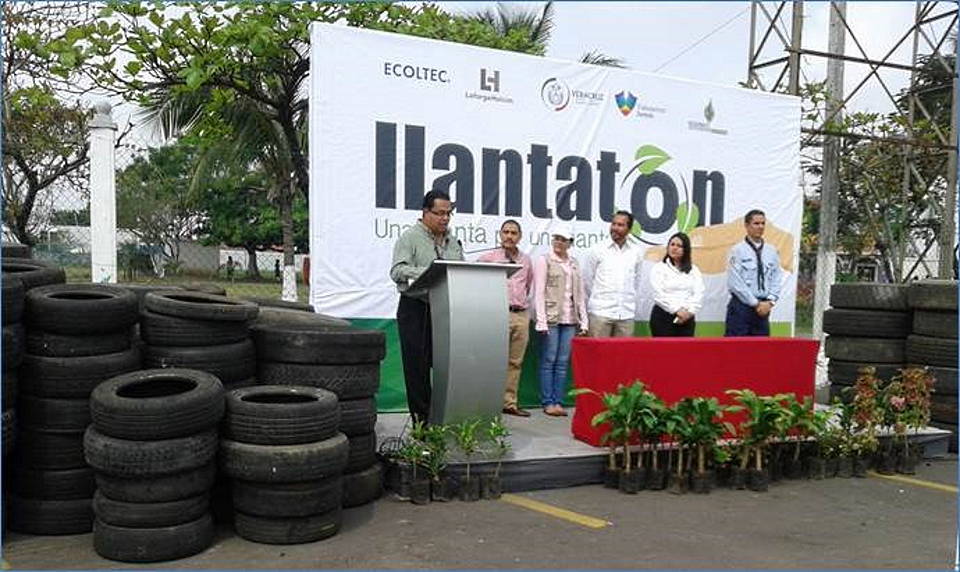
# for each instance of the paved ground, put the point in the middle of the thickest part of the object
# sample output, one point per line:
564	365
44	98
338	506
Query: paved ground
837	523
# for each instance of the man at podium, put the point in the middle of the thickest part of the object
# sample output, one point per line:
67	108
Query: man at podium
427	240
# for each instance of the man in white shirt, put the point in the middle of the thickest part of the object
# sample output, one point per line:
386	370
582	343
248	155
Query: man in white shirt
611	276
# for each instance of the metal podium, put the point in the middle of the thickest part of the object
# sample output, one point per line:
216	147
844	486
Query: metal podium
468	314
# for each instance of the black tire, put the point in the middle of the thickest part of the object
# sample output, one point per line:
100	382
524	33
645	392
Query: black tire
128	458
249	382
50	451
281	415
149	514
265	302
54	484
869	296
363	453
141	290
846	372
158	544
870	350
299	344
157	404
14	340
200	306
278	500
866	323
229	362
15	250
9	427
162	330
358	416
80	309
934	295
33	273
12	292
363	487
204	288
347	381
162	488
50	517
932	351
284	463
73	377
945	379
936	324
285	316
293	530
40	343
10	382
53	414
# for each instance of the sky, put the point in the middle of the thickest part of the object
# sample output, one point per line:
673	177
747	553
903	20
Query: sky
709	41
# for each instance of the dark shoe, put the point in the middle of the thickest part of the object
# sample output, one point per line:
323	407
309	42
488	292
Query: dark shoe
516	411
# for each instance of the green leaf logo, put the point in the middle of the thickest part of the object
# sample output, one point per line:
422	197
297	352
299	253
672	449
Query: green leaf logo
687	216
649	158
635	230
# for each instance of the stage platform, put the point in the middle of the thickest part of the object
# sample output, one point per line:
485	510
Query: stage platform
545	455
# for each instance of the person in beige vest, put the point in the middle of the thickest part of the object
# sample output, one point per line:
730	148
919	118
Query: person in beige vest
561	311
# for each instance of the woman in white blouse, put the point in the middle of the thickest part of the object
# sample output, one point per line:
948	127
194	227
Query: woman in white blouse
677	290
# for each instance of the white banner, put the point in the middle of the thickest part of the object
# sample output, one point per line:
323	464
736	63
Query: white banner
534	139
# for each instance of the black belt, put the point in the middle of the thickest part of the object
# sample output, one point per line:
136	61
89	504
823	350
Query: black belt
517	309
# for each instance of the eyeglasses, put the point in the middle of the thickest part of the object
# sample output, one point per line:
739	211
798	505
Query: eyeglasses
442	214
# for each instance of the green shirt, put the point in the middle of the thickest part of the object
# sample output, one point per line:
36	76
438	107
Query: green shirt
414	251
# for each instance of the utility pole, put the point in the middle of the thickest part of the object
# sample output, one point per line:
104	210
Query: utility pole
829	203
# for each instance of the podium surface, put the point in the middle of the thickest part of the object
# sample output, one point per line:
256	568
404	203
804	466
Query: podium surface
468	314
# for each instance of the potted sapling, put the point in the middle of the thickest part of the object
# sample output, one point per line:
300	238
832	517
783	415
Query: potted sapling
442	485
867	416
611	437
678	426
414	453
499	437
916	384
704	431
631	410
465	436
763	418
654	434
799	420
819	427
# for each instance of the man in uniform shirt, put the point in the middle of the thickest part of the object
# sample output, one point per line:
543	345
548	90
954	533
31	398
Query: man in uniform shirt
427	240
753	277
611	275
518	292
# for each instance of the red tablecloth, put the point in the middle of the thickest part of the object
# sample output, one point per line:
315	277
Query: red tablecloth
675	368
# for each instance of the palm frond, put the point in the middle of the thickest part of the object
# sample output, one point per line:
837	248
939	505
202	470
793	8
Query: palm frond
597	58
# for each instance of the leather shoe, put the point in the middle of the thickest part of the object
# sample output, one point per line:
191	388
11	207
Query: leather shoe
516	411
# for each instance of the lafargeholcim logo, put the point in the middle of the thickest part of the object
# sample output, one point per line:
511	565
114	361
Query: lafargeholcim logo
489	80
650	186
555	94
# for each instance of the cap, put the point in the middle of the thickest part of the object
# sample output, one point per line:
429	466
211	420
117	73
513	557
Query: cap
562	228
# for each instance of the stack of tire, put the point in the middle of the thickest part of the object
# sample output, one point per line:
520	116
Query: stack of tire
933	343
78	335
195	330
153	444
13	342
283	450
298	348
868	324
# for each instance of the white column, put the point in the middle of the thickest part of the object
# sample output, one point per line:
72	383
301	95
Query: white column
103	200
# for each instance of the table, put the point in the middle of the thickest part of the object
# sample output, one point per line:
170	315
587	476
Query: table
675	368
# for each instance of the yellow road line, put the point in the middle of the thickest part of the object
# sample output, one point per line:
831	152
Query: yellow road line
918	482
555	511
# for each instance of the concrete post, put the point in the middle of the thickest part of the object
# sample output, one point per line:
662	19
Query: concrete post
103	200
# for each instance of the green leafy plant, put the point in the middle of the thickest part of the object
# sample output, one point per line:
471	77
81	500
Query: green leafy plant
499	436
435	443
704	426
467	440
763	421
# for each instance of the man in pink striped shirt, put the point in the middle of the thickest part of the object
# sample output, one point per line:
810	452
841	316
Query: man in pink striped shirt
518	292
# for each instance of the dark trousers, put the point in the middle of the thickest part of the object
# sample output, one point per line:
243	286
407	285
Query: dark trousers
416	346
742	320
661	324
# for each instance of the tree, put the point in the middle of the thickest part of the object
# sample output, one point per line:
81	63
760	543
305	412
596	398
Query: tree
44	137
155	204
